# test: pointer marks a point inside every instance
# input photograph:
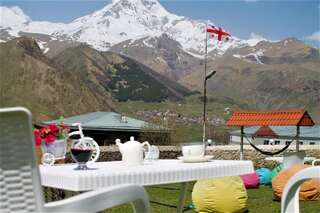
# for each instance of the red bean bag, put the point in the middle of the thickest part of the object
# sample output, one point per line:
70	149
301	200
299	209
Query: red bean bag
250	181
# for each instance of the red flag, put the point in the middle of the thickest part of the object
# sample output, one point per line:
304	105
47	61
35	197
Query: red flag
218	32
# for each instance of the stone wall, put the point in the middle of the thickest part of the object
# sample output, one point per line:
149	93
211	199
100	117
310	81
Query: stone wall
230	152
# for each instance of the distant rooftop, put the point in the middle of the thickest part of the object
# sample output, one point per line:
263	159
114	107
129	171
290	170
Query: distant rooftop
312	133
104	121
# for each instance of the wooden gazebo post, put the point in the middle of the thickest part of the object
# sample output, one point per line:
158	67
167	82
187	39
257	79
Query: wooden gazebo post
297	139
241	143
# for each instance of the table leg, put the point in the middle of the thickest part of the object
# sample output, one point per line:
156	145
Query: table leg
182	196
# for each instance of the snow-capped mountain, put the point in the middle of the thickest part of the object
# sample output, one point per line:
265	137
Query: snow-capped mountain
12	20
119	21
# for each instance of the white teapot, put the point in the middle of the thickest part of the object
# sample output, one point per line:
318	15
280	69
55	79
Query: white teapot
132	151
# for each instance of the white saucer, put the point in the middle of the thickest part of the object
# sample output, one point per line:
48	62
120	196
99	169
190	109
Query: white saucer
195	159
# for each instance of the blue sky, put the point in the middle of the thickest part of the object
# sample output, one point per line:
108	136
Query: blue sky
274	20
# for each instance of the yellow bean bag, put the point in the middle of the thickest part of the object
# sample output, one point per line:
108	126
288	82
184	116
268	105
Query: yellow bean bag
309	190
220	195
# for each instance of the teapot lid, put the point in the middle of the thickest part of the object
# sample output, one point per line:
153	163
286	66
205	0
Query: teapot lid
132	139
132	142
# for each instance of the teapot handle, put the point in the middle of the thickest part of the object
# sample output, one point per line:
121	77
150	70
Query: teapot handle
148	145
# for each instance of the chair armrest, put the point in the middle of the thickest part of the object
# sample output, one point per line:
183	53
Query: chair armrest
98	200
290	197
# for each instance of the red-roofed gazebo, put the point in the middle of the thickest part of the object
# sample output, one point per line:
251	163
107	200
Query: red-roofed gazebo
293	117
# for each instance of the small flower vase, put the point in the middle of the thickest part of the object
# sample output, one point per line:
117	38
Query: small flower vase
57	148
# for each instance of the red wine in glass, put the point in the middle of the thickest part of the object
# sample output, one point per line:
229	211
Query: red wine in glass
81	156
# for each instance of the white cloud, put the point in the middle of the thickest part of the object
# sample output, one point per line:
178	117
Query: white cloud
314	36
256	36
254	39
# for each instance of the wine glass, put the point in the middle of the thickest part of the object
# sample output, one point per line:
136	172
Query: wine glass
81	153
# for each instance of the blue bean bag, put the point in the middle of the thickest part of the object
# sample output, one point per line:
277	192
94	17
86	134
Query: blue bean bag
264	176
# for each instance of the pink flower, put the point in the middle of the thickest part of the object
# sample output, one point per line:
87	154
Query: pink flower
49	139
53	128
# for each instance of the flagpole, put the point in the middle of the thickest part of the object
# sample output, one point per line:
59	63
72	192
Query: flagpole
205	88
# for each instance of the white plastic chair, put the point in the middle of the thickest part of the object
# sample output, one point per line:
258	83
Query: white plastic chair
20	188
290	197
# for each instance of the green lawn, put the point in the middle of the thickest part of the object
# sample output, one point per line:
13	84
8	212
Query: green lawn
260	200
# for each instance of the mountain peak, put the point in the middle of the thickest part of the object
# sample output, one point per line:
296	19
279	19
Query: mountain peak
17	11
13	18
137	7
146	3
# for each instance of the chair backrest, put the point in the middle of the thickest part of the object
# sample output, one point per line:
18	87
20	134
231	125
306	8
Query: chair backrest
290	196
292	158
20	188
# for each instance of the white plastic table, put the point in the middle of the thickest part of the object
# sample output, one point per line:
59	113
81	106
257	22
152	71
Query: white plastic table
154	173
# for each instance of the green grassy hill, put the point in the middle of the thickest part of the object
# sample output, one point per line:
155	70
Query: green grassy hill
29	79
125	78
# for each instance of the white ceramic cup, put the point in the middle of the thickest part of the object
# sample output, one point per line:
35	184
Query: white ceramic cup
192	150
